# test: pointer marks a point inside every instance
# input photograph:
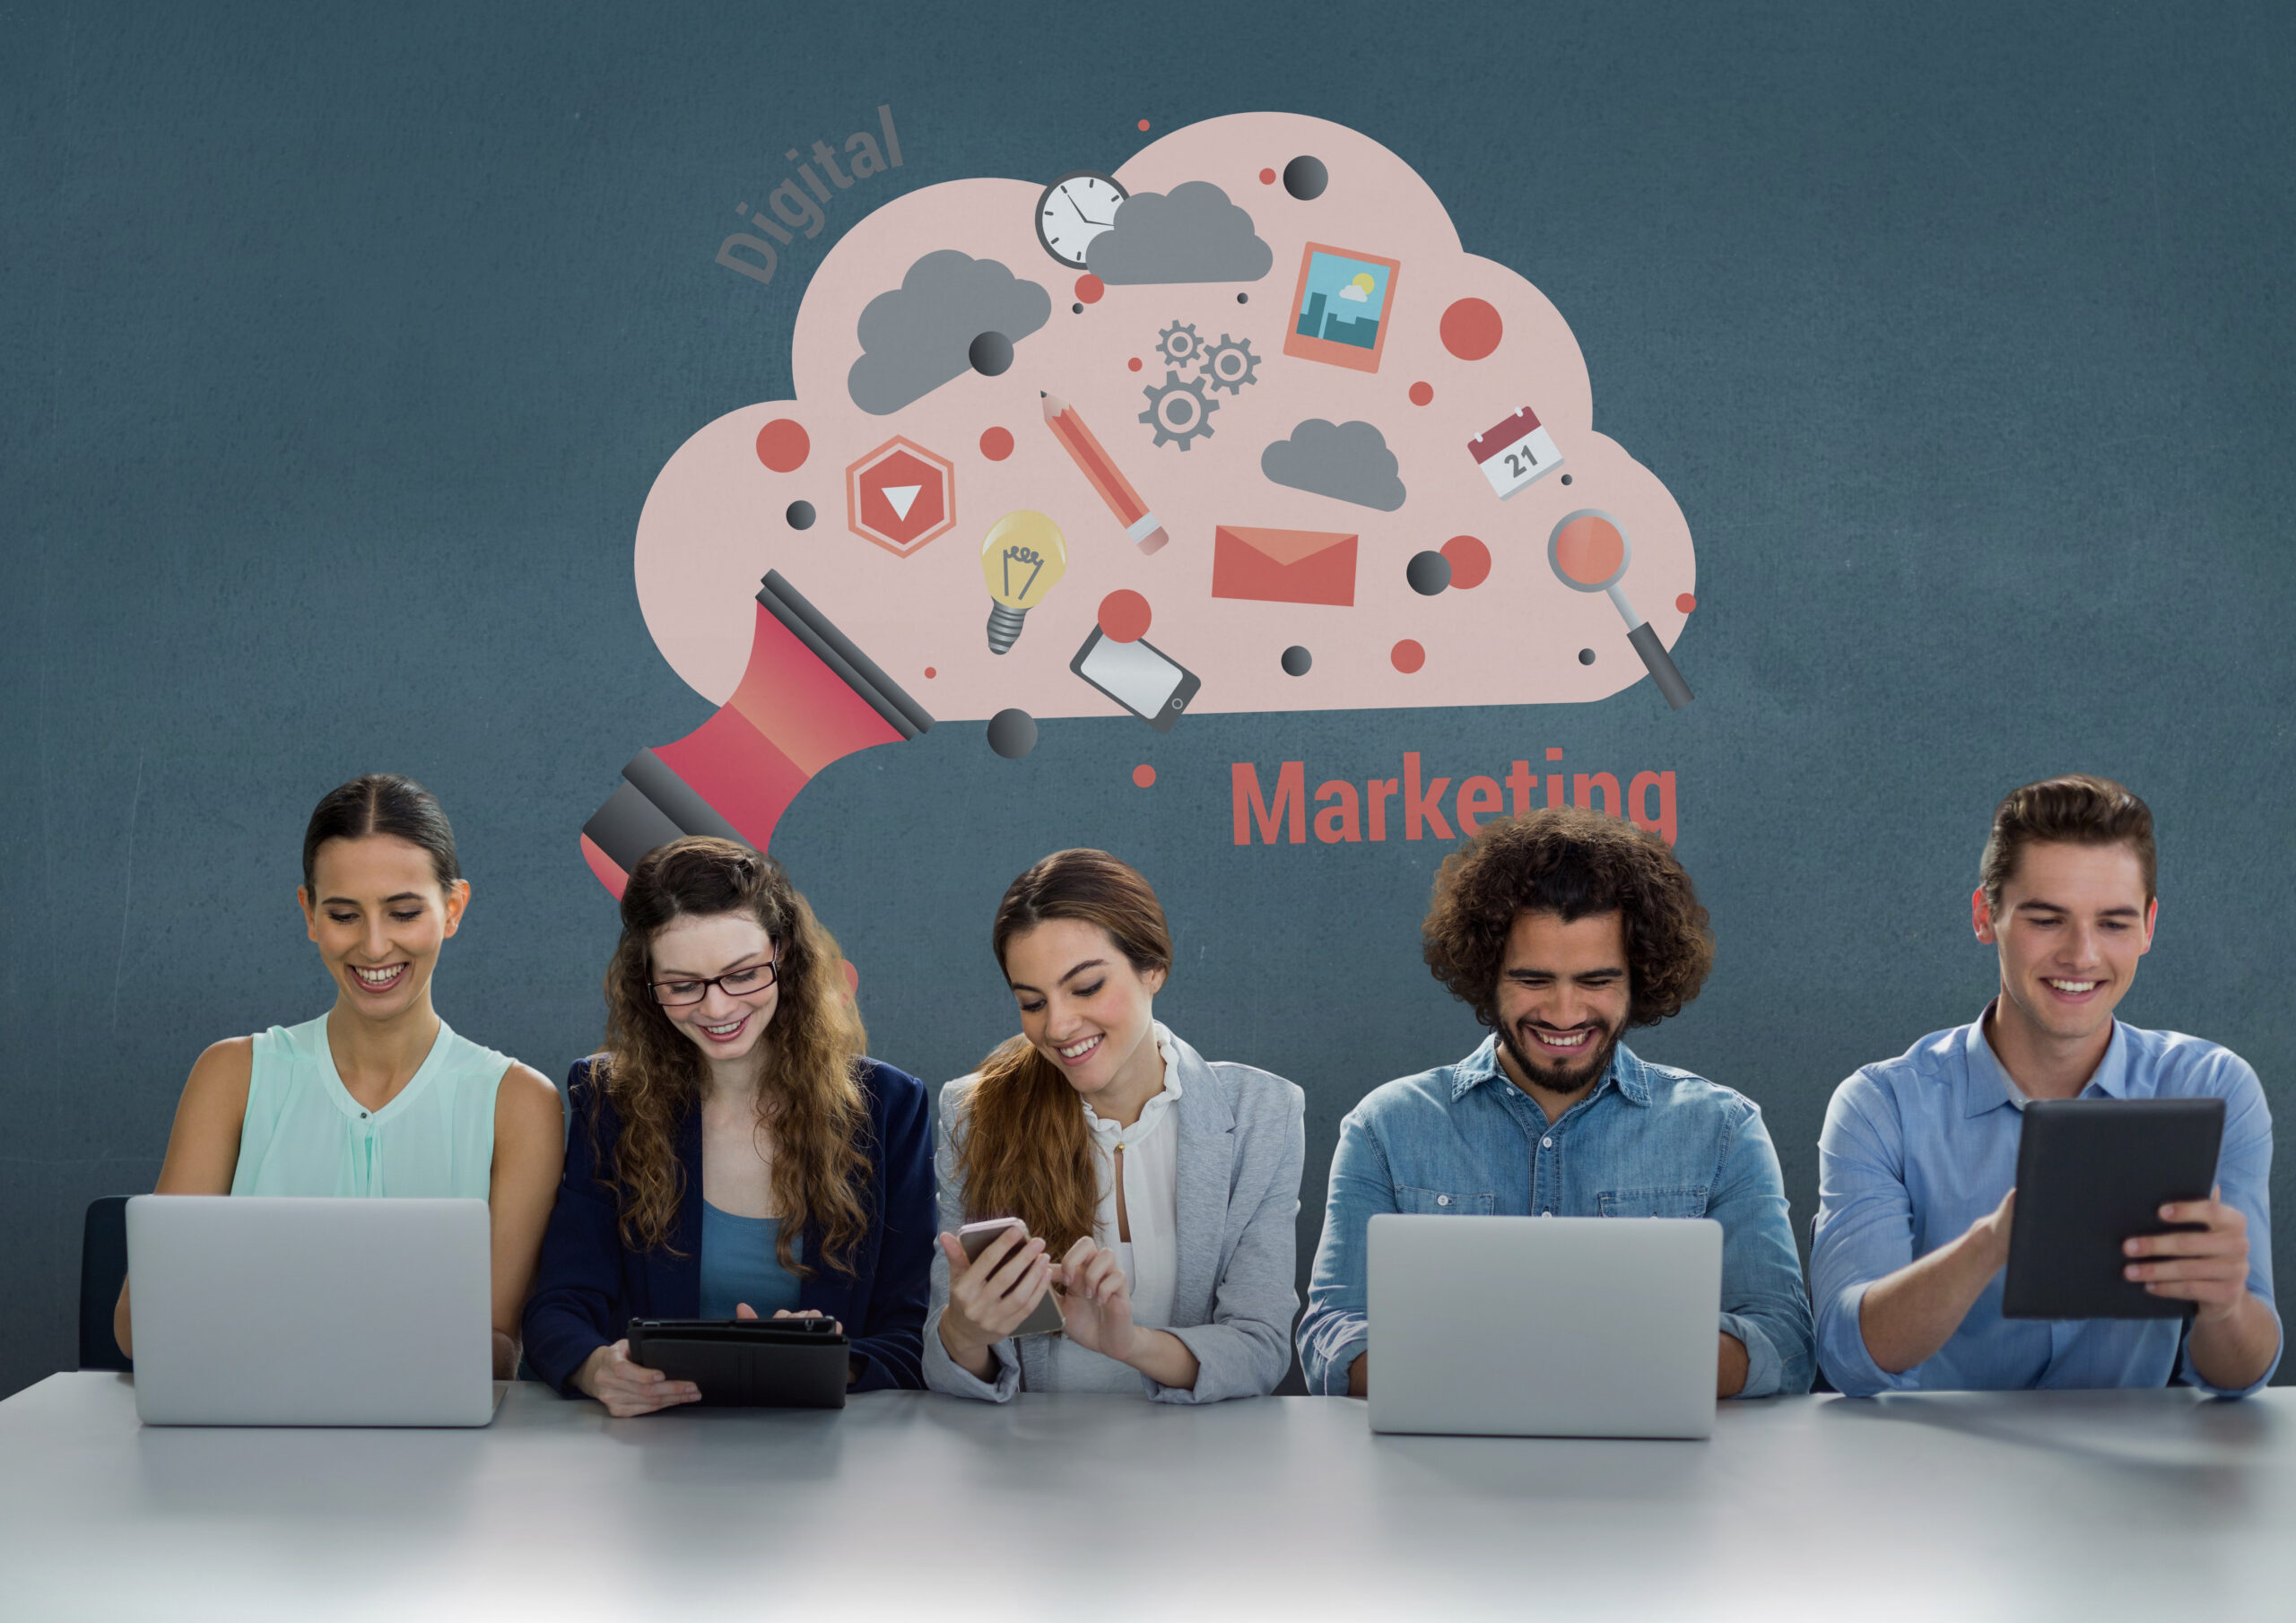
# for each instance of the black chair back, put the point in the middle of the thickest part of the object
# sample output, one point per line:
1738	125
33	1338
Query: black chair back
103	1266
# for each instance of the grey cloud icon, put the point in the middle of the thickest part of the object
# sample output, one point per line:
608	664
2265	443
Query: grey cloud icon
917	337
1192	233
1348	461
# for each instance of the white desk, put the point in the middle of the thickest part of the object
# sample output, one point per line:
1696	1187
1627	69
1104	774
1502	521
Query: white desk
2019	1507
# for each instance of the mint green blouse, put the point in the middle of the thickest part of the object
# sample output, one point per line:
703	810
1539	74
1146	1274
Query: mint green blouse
305	1135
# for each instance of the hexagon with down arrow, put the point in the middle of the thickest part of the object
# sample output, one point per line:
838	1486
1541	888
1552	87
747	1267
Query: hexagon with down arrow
900	496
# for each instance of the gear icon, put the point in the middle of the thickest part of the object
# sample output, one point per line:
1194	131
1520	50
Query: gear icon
1178	410
1179	344
1229	364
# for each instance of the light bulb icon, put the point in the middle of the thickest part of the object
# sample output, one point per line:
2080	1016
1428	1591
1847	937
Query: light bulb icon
1023	559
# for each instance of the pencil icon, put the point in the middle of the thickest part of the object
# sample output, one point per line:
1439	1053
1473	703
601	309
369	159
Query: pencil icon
1098	466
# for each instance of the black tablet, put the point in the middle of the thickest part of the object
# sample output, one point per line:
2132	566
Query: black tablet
2091	1173
748	1363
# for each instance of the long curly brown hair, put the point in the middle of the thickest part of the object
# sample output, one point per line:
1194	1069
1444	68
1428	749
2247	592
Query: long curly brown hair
1026	1151
809	1094
1573	863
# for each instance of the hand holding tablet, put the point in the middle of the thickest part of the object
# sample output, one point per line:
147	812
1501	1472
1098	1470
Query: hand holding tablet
2098	1181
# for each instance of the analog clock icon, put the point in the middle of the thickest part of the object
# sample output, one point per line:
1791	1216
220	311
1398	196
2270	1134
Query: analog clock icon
1073	210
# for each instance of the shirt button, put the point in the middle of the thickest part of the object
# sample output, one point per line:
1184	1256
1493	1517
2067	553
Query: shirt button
1442	1199
1548	1212
1546	1143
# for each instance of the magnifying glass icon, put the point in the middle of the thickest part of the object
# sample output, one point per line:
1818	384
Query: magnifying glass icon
1590	552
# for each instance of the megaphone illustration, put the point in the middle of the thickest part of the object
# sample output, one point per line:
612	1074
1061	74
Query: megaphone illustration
808	697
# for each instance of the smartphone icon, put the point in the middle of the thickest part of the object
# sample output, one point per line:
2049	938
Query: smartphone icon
1139	676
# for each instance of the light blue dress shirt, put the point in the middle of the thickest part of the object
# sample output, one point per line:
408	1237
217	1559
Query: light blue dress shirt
1648	1141
1919	1148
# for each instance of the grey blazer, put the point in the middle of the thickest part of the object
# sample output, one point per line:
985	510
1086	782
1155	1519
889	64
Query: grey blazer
1242	1142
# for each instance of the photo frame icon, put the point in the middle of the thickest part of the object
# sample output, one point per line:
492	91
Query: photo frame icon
1340	307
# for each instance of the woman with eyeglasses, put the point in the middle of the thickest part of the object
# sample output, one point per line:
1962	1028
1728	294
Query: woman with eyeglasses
377	1095
733	1153
1159	1189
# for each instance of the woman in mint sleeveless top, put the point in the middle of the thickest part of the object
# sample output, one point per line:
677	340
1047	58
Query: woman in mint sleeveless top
377	1095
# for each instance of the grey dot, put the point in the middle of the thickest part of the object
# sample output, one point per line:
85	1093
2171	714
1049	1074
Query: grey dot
1076	309
1566	479
1243	299
1586	656
990	354
800	514
1305	178
1428	572
1296	661
1012	733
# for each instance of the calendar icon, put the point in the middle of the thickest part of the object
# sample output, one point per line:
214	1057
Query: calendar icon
1514	454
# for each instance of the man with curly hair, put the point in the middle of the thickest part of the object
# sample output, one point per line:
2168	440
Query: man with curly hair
1560	930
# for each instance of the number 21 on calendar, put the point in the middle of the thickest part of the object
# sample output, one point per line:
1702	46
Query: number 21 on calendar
1514	454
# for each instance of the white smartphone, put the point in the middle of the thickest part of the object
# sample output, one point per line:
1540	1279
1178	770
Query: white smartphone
975	1237
1138	675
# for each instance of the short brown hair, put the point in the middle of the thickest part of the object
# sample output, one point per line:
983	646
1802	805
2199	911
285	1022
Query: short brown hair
2074	809
1573	863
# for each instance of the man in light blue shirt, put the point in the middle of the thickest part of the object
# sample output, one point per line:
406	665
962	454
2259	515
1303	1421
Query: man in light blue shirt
1560	930
1915	1165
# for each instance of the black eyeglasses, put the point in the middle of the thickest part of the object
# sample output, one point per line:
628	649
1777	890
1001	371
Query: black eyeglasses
740	982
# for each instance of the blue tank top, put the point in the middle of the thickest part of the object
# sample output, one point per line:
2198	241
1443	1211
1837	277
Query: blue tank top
738	1265
305	1135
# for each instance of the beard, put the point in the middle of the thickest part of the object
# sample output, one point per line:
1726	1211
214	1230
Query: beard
1568	1076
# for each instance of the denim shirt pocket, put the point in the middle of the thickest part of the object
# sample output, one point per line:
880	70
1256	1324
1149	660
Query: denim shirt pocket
1444	1203
1683	1200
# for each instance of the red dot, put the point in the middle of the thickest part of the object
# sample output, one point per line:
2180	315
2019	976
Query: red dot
996	444
1470	561
782	446
1422	394
930	673
1685	602
1089	288
1124	617
1143	123
1267	176
1471	329
1144	774
1407	655
1133	364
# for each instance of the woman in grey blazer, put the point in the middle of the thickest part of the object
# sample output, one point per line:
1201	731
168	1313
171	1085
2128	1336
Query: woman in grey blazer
1156	1191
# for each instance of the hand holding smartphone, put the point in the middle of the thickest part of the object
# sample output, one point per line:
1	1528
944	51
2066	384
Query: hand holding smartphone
975	1237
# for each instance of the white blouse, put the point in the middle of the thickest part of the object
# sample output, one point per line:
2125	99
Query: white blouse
1151	1258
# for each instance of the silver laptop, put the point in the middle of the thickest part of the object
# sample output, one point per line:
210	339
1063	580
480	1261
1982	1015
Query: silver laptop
273	1310
1544	1327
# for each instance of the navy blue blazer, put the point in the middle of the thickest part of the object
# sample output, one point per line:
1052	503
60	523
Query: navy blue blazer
588	1286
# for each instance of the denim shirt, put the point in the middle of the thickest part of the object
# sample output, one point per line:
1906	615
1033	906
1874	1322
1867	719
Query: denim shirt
1648	1141
1919	1148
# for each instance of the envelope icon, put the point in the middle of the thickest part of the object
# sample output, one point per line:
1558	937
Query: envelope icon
1283	566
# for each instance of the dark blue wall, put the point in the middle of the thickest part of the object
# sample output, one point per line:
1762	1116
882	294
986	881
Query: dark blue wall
338	354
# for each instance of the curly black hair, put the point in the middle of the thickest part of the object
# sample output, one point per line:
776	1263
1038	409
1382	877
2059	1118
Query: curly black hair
1574	863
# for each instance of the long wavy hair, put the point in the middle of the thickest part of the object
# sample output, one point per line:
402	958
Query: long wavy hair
1026	1151
809	1092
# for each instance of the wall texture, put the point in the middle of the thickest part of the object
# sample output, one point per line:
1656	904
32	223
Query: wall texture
337	356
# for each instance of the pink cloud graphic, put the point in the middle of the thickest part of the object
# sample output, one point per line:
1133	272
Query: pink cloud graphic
1365	377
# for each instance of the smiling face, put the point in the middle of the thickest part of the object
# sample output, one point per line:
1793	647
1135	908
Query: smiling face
1083	1005
726	1026
378	916
2071	924
1563	997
